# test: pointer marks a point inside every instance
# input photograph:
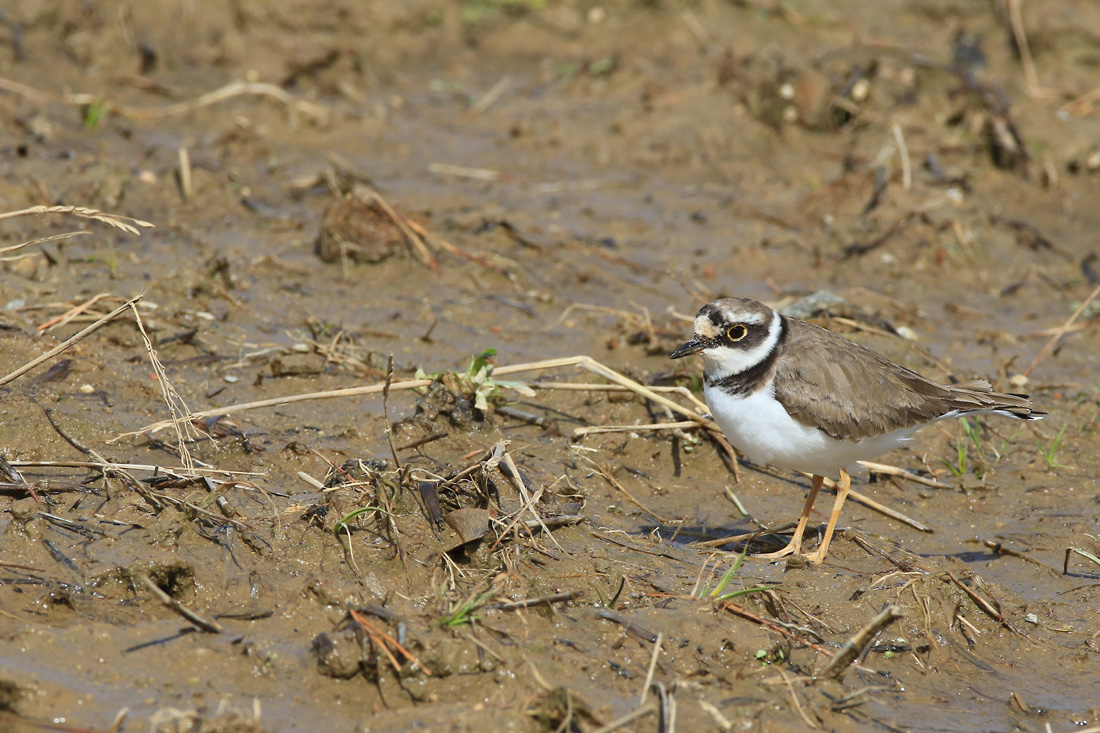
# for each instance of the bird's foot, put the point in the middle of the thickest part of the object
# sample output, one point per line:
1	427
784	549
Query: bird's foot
816	557
793	548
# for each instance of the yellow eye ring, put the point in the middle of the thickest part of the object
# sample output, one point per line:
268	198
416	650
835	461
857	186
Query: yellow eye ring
738	332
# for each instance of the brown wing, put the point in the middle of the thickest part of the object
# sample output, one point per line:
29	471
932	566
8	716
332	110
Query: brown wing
850	392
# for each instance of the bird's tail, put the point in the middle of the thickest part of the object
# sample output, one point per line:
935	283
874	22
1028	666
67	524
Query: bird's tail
978	396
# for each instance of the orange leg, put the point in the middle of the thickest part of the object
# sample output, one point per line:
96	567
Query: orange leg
794	547
841	494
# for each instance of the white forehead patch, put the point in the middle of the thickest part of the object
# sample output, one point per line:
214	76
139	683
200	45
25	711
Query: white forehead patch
704	327
731	313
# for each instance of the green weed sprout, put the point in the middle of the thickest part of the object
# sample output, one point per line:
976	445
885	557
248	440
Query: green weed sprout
462	614
478	380
718	594
1050	452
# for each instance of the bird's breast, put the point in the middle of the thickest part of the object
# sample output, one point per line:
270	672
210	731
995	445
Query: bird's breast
760	427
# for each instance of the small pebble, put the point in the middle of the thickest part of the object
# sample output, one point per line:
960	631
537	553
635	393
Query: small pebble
907	333
860	90
25	267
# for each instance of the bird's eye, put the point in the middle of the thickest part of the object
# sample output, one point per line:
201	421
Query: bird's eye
738	332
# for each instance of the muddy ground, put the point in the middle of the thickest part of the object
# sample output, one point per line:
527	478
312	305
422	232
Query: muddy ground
584	176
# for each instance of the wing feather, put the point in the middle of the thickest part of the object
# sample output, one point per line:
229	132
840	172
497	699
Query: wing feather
850	392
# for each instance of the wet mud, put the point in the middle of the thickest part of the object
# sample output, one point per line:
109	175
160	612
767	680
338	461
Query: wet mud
449	196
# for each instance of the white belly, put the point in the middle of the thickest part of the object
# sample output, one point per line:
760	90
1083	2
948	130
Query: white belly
759	427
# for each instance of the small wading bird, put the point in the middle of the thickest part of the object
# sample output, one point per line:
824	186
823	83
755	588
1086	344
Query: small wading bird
792	395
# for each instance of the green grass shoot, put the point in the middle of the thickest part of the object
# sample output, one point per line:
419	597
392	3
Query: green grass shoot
462	614
1050	451
352	515
615	598
718	592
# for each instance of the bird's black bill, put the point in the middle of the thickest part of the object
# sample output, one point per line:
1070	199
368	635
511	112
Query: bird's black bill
691	347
